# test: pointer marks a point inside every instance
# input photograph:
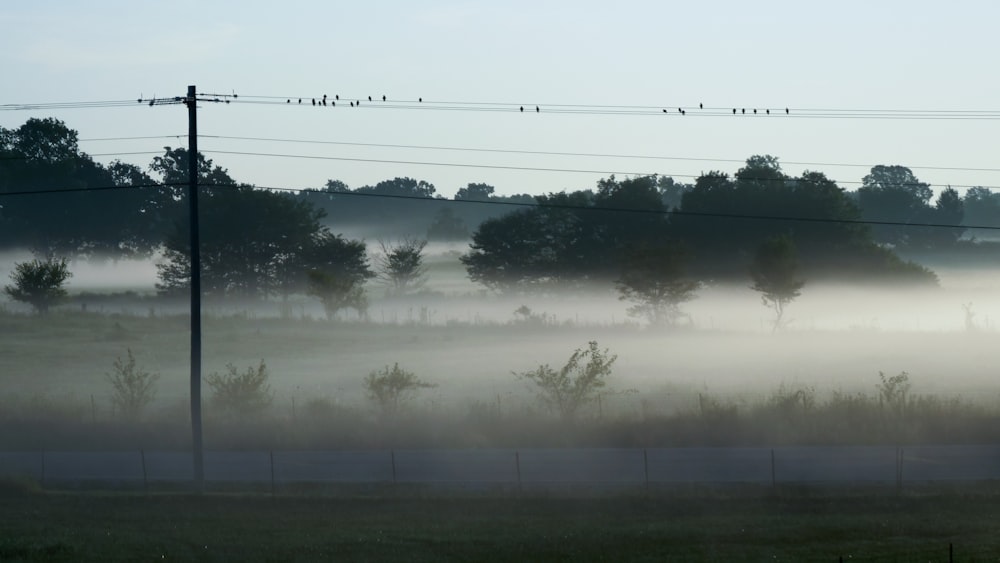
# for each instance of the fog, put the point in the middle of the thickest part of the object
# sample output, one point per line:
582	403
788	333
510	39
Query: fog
468	342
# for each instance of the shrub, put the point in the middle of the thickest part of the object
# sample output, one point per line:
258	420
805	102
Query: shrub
575	384
389	388
241	393
133	387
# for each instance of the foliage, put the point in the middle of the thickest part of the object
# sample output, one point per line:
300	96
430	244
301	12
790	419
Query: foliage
575	384
893	194
774	272
43	155
401	266
254	243
133	387
391	388
447	226
39	283
893	392
654	280
236	393
337	292
569	238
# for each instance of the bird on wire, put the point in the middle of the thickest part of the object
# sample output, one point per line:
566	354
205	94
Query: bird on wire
383	97
522	109
369	98
352	104
314	101
537	109
701	106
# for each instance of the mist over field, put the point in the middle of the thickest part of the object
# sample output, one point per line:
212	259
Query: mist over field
468	342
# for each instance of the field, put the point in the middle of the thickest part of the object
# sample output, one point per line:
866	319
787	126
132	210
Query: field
675	525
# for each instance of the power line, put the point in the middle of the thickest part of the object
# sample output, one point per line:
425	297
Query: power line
566	207
133	153
574	154
43	191
680	111
534	168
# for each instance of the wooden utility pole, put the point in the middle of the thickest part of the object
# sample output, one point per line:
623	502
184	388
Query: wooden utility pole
197	446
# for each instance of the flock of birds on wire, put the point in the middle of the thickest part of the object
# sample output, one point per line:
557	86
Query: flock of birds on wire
357	103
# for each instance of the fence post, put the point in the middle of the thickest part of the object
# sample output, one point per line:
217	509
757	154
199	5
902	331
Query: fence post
145	477
951	552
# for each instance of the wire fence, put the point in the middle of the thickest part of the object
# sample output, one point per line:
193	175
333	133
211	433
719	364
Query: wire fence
519	468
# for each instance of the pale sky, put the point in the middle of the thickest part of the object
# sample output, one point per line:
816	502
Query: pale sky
848	55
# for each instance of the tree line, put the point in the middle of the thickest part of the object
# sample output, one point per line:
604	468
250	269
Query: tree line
629	231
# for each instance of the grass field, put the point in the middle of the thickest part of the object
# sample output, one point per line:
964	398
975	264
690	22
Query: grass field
679	525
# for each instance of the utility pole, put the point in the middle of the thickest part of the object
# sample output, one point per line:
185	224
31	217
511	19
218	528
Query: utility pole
197	446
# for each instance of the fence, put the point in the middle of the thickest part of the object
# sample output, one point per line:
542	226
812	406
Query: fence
524	467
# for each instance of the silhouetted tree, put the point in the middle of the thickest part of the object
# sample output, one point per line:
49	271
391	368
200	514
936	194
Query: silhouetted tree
654	280
39	283
775	275
400	266
447	226
894	194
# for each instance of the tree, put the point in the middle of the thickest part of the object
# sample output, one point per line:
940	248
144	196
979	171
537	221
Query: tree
257	243
893	194
401	266
39	283
390	388
133	387
43	155
337	292
949	209
574	238
337	270
774	272
447	226
236	393
981	207
574	385
654	280
475	192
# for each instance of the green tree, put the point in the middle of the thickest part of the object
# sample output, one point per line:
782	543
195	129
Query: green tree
391	388
981	207
337	292
574	385
400	266
39	283
893	194
775	275
475	192
447	226
133	387
43	155
654	280
949	209
235	393
256	243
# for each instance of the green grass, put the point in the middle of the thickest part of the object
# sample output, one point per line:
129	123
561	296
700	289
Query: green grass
699	525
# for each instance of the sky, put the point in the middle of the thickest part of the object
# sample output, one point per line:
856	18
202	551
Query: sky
851	55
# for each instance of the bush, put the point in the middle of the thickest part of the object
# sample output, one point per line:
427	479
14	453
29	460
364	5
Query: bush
390	388
133	387
575	384
241	393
